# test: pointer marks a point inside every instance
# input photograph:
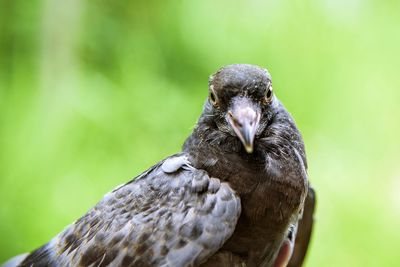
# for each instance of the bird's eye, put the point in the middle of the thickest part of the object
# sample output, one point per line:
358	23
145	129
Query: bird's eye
213	98
268	95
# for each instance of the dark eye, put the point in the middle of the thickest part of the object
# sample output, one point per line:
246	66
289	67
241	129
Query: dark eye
268	95
213	98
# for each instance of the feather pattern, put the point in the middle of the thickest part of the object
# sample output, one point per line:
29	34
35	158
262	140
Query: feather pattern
177	218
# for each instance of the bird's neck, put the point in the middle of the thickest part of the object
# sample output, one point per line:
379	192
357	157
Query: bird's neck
223	155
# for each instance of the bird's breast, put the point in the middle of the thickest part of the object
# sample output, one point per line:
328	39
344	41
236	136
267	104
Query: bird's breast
271	199
266	215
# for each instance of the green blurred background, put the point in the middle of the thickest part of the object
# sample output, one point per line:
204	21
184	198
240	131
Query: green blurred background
94	92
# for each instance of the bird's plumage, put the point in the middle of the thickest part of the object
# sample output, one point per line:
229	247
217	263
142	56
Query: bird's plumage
234	196
172	215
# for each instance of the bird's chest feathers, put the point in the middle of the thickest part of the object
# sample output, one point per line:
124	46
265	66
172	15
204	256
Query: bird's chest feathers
265	189
271	186
242	174
270	199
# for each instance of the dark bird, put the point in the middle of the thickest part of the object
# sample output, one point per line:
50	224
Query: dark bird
234	196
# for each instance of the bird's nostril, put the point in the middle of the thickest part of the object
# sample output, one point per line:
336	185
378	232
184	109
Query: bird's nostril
235	121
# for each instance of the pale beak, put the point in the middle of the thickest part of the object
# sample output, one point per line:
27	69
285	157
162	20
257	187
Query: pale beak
244	122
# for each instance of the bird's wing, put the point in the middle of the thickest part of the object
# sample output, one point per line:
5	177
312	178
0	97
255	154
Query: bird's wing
172	215
304	230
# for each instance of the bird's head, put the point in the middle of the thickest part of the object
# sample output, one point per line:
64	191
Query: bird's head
241	101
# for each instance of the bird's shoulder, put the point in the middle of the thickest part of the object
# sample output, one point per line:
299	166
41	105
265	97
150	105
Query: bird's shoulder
172	215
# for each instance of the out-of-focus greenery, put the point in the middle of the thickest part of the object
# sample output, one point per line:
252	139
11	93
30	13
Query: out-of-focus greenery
94	92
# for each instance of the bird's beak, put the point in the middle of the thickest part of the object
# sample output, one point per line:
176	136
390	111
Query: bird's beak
244	121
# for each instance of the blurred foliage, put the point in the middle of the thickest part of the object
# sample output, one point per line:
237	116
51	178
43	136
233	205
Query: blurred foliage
94	92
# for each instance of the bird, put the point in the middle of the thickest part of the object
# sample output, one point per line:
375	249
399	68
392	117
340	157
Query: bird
237	194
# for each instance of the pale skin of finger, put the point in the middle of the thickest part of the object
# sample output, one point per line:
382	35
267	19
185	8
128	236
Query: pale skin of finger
284	254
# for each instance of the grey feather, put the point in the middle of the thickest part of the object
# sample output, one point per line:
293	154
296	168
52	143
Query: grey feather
162	219
15	261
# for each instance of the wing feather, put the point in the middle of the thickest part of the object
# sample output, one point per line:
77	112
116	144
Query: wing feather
169	216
